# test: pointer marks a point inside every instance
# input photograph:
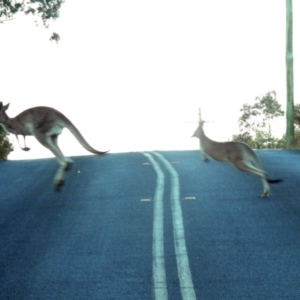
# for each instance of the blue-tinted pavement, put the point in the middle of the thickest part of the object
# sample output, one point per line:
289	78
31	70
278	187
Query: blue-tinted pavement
102	236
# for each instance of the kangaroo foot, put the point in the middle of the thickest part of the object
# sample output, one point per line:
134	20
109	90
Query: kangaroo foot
60	176
25	149
58	185
265	194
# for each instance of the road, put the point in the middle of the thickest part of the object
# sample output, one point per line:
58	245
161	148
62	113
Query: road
153	225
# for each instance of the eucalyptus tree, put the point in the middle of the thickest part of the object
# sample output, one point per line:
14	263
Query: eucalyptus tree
43	10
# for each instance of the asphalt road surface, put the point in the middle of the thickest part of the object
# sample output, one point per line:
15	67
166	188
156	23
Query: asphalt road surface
154	225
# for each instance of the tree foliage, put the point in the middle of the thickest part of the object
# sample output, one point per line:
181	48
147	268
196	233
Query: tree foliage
297	115
44	10
254	124
5	146
255	117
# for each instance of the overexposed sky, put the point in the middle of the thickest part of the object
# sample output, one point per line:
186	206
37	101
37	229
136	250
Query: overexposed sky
131	75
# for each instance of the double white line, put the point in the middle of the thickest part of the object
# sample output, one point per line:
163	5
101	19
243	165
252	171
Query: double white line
183	269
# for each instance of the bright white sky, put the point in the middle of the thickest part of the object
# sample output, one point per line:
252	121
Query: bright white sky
131	75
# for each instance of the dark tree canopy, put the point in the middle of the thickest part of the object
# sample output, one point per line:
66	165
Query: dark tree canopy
44	10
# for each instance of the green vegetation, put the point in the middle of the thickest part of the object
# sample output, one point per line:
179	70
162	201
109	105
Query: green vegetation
43	10
255	123
5	146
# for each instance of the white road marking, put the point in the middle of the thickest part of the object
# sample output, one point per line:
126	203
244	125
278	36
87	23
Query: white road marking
159	272
189	198
183	269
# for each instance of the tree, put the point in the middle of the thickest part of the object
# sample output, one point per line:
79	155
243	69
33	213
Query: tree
5	146
44	10
296	143
255	117
255	125
297	115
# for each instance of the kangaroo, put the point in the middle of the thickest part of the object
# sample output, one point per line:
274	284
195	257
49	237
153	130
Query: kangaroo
45	124
236	153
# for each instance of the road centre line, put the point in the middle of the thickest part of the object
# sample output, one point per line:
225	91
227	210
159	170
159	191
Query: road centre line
159	272
183	269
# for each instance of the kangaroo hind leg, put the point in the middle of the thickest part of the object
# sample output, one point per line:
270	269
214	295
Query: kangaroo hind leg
61	172
242	165
50	142
67	160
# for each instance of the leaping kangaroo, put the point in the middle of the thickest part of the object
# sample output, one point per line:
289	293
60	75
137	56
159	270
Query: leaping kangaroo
238	154
45	124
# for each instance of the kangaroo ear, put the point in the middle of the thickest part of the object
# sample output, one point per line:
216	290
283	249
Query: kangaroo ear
5	107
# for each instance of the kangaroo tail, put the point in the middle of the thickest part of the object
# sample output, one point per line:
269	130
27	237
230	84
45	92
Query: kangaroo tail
274	180
82	140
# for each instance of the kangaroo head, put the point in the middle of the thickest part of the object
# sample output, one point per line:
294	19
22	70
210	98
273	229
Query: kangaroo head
3	108
198	130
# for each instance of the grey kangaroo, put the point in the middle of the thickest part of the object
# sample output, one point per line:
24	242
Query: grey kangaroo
45	124
236	153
